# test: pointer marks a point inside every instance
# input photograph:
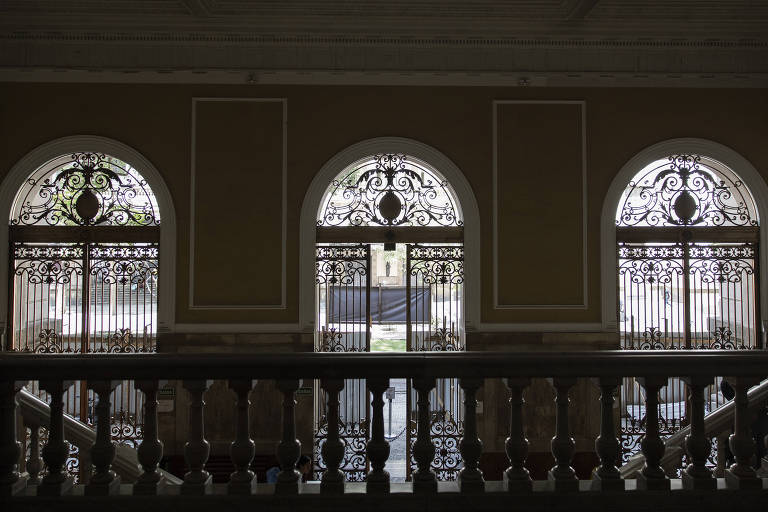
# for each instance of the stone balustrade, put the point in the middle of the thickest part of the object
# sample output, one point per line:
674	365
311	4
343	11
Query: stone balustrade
605	368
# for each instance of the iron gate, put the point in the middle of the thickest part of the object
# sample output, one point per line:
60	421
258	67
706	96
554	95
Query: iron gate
682	296
87	298
438	325
342	278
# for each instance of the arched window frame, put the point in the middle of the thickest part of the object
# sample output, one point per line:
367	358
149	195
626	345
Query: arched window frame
39	156
357	152
727	156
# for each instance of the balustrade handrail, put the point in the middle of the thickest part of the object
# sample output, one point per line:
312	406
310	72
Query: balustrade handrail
613	363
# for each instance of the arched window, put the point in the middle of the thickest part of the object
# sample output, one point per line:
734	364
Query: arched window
84	233
389	275
84	230
687	233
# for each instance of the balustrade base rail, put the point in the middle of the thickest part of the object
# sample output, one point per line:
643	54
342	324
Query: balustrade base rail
401	497
698	490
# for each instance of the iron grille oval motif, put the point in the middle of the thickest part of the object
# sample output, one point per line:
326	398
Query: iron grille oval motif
389	190
85	189
686	190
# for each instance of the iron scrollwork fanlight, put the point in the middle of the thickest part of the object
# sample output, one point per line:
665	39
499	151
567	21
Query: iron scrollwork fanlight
86	189
389	190
687	190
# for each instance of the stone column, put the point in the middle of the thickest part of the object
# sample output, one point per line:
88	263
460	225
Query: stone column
55	452
607	477
289	449
104	481
741	475
697	475
10	448
424	479
242	449
516	476
562	476
377	481
150	451
652	476
196	450
471	447
332	451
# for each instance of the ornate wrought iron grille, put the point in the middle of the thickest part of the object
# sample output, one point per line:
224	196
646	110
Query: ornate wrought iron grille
84	233
687	270
687	190
342	279
436	324
85	189
389	190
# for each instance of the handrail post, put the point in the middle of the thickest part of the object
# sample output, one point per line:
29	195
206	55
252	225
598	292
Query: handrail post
150	451
424	479
55	452
332	451
243	449
196	450
289	449
104	481
517	478
652	476
697	475
377	481
471	447
607	477
741	475
10	448
562	477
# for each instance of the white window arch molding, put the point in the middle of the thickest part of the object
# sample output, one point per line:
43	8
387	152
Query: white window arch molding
740	165
364	149
76	143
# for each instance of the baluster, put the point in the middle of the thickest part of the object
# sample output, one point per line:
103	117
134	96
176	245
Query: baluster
104	481
516	476
652	476
471	447
607	477
741	475
34	464
243	449
10	448
289	449
377	480
562	476
150	451
333	447
196	450
722	453
697	475
424	479
55	452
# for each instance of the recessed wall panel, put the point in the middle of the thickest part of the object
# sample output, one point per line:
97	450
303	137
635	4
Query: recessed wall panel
540	181
238	235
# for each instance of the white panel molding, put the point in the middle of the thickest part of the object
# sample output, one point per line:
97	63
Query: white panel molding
585	266
66	145
284	212
427	154
737	163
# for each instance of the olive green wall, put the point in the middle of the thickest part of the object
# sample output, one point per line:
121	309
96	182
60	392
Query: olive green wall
156	120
